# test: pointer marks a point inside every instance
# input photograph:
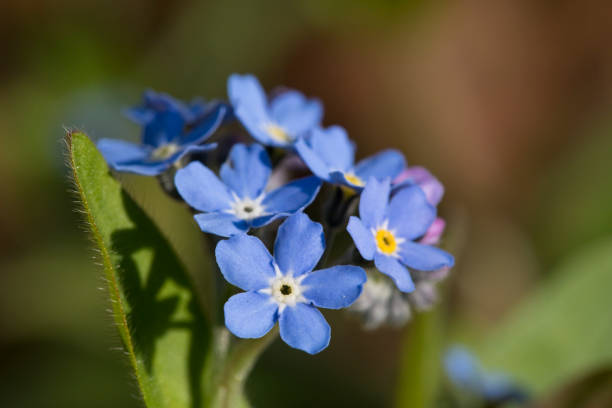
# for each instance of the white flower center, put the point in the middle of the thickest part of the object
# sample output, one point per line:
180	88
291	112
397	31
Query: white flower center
164	151
285	290
247	208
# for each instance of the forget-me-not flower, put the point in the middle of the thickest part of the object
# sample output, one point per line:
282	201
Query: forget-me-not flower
237	201
465	371
280	122
284	288
331	156
387	229
171	130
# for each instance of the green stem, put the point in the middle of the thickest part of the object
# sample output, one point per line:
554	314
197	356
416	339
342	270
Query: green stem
419	372
229	390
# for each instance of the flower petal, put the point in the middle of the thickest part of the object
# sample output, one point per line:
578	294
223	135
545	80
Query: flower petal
117	151
201	188
221	224
139	114
424	257
205	127
334	147
299	245
431	186
128	157
256	127
196	149
245	262
434	232
166	126
373	202
250	106
396	271
292	197
362	237
304	327
245	92
314	162
410	215
250	314
388	163
246	170
294	112
335	287
463	369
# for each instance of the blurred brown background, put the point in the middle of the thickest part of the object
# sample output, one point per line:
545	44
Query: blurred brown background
508	102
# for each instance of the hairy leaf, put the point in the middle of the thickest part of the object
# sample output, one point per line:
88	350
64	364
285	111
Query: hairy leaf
159	318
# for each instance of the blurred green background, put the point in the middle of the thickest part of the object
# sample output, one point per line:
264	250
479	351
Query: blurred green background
509	103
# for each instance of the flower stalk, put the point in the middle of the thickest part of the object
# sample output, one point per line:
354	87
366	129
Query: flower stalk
229	386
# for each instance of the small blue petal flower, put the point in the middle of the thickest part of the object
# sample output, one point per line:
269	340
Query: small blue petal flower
391	267
245	262
171	130
237	202
246	170
293	196
361	236
201	188
331	156
386	232
298	256
303	327
324	285
221	224
284	288
465	372
281	122
250	315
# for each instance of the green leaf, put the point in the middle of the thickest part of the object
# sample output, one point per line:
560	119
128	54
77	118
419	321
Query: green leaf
562	331
159	317
575	198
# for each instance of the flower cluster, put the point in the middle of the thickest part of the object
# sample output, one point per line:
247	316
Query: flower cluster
255	196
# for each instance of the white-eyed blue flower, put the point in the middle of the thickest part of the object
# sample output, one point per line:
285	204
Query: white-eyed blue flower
285	288
279	122
387	229
331	156
171	130
238	201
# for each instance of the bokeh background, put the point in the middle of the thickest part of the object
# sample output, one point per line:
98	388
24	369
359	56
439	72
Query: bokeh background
508	102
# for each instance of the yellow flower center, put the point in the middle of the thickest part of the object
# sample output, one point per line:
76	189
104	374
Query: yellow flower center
164	151
386	242
354	179
278	133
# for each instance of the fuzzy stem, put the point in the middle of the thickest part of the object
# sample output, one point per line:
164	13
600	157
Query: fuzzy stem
229	392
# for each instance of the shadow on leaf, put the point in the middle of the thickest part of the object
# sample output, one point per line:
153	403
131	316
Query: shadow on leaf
160	297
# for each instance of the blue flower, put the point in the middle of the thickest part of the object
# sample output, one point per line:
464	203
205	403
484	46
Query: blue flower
386	230
283	288
464	370
331	156
238	201
287	117
171	130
